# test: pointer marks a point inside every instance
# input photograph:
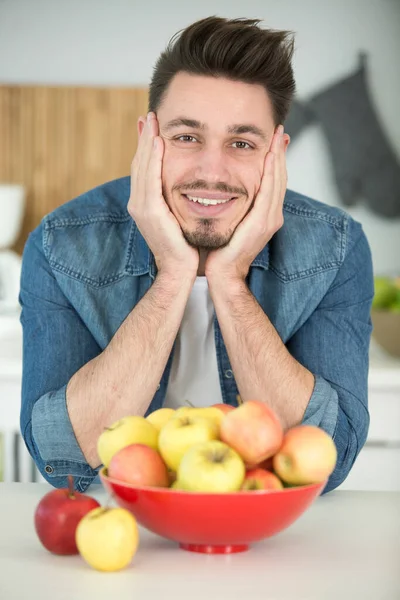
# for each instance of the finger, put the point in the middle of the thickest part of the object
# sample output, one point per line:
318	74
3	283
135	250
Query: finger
265	191
143	133
154	170
150	130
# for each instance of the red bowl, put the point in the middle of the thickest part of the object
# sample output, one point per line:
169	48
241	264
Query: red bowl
213	523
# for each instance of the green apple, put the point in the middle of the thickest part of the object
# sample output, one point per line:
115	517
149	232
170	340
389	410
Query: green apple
180	433
385	292
128	430
107	538
211	467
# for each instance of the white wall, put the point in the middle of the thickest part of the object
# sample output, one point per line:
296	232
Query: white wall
116	42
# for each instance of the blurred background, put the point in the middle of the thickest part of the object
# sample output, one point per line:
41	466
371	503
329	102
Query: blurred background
73	81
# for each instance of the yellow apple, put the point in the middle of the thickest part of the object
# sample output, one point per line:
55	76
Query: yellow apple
128	430
207	412
211	467
180	433
182	411
107	538
159	417
175	485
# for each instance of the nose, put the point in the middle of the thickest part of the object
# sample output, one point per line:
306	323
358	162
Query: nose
212	165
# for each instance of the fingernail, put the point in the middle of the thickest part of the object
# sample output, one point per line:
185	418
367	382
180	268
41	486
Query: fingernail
281	130
149	117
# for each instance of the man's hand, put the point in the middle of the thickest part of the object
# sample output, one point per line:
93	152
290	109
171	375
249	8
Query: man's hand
265	218
149	209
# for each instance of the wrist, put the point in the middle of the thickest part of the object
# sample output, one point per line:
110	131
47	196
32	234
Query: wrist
177	275
229	285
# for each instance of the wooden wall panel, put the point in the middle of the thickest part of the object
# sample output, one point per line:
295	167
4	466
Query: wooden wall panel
62	141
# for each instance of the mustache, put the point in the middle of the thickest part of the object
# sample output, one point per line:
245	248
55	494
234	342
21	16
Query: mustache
218	187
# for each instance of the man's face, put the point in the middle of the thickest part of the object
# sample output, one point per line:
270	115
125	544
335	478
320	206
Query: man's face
216	135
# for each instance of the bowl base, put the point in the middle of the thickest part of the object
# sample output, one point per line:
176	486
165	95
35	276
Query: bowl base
213	549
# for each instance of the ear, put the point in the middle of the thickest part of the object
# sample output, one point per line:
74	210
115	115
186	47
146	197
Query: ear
140	125
286	140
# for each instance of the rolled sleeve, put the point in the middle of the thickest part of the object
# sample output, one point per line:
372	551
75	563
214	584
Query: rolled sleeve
323	406
53	444
55	438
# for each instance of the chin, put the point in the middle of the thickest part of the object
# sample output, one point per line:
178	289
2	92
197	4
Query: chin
202	239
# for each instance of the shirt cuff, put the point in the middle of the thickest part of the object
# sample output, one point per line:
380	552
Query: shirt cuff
55	438
322	409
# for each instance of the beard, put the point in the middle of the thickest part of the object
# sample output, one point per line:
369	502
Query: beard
204	237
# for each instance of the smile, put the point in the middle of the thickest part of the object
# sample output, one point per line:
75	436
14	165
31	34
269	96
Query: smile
209	207
208	201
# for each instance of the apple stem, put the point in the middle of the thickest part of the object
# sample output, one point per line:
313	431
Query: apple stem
239	400
71	492
189	403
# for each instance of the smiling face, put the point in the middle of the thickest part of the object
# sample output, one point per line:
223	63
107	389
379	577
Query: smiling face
216	135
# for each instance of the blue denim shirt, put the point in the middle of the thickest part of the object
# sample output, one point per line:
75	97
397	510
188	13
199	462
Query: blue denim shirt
86	266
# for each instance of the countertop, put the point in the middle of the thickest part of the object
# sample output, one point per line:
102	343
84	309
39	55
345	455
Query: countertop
346	545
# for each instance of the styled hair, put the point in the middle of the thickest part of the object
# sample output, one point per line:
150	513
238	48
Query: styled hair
236	49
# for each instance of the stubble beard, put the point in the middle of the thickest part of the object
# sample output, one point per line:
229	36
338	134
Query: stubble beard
204	237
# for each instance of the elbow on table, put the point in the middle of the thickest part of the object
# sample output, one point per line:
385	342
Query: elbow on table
349	438
56	472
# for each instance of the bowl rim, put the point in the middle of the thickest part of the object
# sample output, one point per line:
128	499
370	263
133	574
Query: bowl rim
161	490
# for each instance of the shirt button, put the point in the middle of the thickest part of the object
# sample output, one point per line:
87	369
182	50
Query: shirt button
49	469
229	374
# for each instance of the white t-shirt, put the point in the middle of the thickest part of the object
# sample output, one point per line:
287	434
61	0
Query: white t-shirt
194	371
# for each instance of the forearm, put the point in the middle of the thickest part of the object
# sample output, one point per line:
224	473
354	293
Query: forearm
123	379
264	369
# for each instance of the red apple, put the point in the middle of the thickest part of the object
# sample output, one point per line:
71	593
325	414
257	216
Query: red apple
224	407
266	464
57	516
307	455
260	479
139	465
253	430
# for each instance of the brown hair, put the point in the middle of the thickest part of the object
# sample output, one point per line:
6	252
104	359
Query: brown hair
233	48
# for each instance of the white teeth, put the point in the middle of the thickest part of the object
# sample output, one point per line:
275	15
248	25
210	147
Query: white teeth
208	201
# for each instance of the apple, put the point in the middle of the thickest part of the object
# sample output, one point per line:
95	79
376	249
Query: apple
211	467
307	455
206	412
159	417
107	538
128	430
139	465
57	516
180	433
253	430
225	408
176	485
261	479
266	464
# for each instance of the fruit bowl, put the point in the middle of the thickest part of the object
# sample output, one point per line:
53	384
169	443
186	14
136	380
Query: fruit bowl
209	522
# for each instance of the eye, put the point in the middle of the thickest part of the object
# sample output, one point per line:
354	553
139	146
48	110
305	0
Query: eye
244	145
185	138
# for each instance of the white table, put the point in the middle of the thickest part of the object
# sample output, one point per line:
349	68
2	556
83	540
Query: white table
346	546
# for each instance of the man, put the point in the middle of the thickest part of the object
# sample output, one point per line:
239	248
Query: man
201	276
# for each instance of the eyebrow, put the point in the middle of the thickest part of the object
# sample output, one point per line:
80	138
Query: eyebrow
232	129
